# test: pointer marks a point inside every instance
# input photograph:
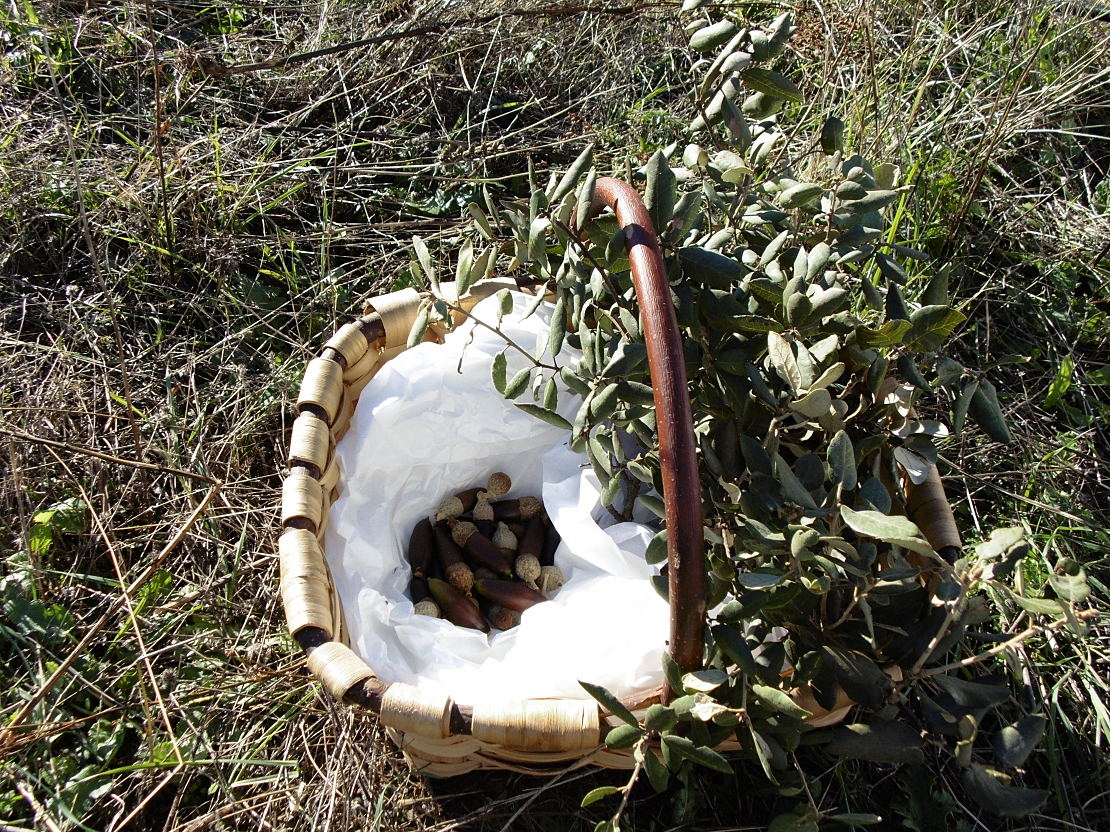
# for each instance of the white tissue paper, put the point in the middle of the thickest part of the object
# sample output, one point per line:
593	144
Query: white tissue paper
423	431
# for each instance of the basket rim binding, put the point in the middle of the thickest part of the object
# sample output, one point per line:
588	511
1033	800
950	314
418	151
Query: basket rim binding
437	735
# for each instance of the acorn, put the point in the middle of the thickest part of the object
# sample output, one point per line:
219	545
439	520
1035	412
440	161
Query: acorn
450	507
533	539
504	540
422	603
457	608
498	484
480	547
551	578
503	619
527	568
483	515
418	590
522	508
421	548
458	504
482	572
551	542
455	569
508	594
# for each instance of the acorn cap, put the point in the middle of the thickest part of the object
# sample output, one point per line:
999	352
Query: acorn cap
499	484
462	531
483	510
460	577
451	507
504	539
502	618
551	578
528	569
427	607
530	507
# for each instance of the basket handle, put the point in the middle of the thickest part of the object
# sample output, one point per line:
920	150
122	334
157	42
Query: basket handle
677	456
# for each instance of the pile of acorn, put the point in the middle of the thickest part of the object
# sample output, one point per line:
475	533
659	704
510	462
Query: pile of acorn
485	560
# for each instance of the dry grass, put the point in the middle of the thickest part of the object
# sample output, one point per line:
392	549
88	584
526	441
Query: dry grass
220	222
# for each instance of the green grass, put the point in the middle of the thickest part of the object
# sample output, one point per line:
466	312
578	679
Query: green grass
290	195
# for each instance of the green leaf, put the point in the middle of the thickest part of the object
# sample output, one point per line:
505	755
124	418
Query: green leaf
574	173
549	416
832	135
609	702
987	413
671	671
657	550
778	700
800	194
657	773
973	694
959	410
518	383
685	748
878	525
426	264
660	718
710	37
1014	743
792	487
733	645
1061	383
480	218
874	201
419	327
771	83
623	736
499	369
709	268
889	334
600	793
627	359
586	198
755	456
931	327
464	269
878	742
784	362
558	329
659	191
860	677
1004	801
842	461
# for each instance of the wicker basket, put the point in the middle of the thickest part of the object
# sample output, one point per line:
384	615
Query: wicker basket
437	736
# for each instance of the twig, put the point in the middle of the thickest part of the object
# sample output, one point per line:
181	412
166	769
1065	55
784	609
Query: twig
1083	615
497	331
132	463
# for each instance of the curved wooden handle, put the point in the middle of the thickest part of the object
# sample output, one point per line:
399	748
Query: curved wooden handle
677	456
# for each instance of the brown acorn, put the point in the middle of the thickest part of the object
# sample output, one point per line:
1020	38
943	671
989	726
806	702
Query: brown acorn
455	568
512	511
483	516
532	541
502	618
551	542
458	504
511	595
480	547
456	607
418	589
421	548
